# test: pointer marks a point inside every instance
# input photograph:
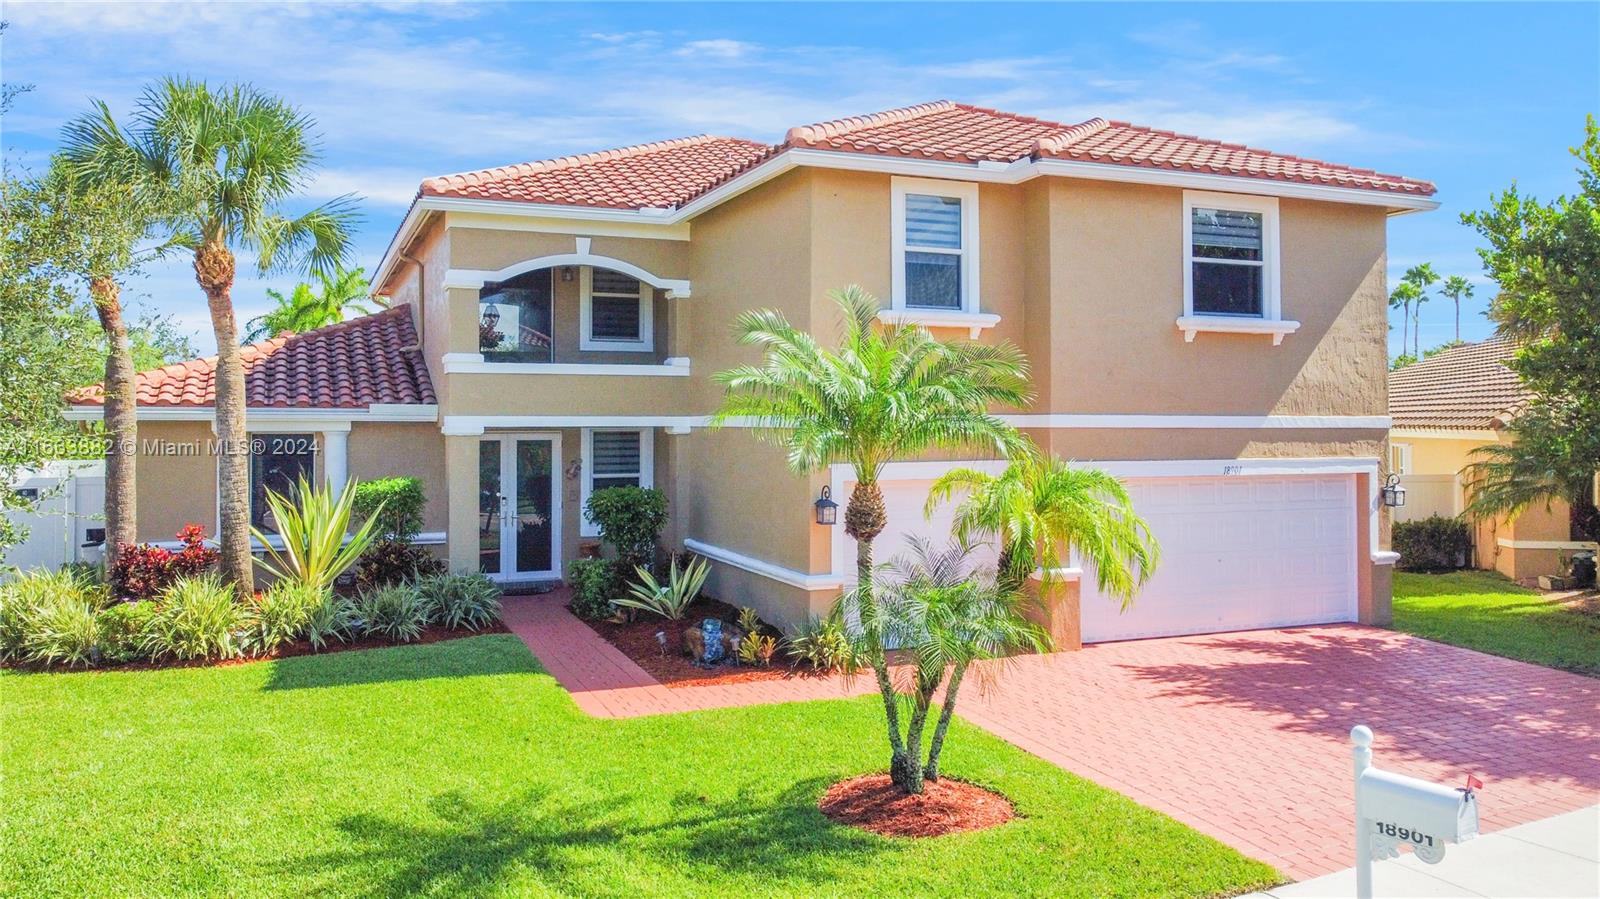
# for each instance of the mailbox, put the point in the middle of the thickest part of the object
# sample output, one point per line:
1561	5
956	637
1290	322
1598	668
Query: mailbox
1394	809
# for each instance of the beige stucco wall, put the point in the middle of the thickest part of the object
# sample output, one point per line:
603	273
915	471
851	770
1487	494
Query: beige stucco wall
176	478
390	450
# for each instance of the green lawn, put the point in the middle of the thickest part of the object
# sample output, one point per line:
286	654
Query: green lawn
1488	613
461	768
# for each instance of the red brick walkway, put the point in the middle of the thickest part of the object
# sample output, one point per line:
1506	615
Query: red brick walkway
1241	736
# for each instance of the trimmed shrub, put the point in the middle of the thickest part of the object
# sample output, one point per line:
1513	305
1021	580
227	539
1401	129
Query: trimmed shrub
397	613
397	503
594	583
1433	544
145	571
122	629
279	615
461	601
630	520
395	562
196	619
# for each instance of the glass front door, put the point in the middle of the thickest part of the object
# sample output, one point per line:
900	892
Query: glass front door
518	515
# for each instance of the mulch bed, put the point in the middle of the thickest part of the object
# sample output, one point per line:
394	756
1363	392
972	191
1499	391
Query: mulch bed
435	633
872	802
637	640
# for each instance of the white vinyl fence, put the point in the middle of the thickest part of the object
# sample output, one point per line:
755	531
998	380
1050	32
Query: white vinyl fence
72	499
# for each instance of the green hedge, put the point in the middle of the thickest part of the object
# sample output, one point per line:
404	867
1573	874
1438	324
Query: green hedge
1433	544
401	501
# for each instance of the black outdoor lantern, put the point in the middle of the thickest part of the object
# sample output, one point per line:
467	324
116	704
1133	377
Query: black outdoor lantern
1394	495
491	317
827	509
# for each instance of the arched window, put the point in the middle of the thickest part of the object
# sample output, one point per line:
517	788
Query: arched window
515	318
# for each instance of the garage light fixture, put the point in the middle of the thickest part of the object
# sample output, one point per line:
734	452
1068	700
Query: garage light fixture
827	509
1394	495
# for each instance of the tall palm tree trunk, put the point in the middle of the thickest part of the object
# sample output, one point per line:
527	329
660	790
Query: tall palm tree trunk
1405	327
864	519
214	269
946	712
1458	320
121	420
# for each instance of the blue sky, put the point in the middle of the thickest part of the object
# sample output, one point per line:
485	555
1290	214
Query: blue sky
1469	96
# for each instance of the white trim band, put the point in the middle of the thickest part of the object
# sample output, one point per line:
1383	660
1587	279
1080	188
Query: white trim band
765	569
389	412
1056	574
1385	557
1191	325
1229	422
474	364
1546	544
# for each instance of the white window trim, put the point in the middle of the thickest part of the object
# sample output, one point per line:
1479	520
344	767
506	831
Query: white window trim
1403	451
967	193
647	471
586	341
1271	320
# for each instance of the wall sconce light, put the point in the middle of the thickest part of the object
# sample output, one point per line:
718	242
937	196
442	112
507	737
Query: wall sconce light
827	509
491	316
566	273
1394	495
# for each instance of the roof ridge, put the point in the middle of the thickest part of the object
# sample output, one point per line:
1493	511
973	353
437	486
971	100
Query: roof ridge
810	134
1055	143
464	179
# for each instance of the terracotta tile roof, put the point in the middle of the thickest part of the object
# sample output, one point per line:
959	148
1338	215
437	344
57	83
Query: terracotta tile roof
1465	387
1120	143
662	174
350	365
670	173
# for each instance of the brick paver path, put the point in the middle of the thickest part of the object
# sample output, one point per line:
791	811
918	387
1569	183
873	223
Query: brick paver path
1241	736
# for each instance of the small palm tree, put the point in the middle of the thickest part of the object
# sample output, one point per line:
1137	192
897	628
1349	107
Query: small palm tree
936	608
1404	294
1040	507
1457	289
219	164
884	393
307	308
1421	277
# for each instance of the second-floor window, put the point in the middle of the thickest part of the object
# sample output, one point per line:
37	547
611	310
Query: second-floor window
1231	249
615	312
935	245
515	318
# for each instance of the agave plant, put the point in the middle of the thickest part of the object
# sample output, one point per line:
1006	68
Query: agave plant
314	527
672	599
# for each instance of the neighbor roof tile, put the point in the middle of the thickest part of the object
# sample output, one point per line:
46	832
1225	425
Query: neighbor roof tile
1466	387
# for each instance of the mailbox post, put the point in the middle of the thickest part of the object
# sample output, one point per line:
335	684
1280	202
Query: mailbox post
1393	809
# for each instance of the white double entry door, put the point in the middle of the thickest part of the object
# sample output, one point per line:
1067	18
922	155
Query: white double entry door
519	505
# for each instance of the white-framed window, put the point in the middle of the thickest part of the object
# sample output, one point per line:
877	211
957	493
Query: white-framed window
615	457
615	312
935	245
1400	458
1230	256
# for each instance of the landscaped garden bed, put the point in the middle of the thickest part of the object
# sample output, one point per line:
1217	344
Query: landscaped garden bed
872	802
665	658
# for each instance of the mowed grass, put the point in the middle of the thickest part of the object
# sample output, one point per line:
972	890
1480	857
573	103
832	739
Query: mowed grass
1488	613
461	768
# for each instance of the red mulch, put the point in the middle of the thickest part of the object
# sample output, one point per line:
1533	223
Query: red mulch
637	640
435	633
872	802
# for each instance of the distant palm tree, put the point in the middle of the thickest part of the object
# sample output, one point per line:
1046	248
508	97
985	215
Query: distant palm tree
1041	507
1421	277
1457	289
885	393
1404	294
222	162
308	308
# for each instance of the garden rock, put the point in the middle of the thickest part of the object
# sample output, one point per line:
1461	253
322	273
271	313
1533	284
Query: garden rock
724	638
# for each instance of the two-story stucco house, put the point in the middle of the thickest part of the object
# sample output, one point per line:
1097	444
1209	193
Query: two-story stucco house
1203	319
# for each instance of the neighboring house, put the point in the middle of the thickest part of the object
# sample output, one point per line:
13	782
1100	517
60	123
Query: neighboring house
1203	319
1444	408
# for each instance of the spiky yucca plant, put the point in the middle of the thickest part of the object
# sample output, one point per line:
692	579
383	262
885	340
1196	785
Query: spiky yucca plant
313	525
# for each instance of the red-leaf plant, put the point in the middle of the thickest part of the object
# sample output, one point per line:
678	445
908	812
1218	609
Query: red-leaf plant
144	571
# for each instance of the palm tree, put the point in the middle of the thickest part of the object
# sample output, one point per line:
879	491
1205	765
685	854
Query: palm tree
308	308
1404	294
1421	277
934	607
221	162
885	393
1457	289
1040	507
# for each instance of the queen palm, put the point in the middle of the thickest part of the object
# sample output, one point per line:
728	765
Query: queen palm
220	164
884	393
1457	289
1040	507
1421	277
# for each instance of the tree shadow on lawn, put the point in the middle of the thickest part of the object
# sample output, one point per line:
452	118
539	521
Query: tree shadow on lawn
473	848
490	654
1436	703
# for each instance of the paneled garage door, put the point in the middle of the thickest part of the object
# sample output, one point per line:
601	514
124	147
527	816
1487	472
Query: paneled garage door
1241	552
1238	553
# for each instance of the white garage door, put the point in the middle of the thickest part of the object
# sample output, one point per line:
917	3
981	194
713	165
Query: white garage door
1238	553
1241	552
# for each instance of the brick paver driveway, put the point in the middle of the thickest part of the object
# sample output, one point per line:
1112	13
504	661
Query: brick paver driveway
1245	736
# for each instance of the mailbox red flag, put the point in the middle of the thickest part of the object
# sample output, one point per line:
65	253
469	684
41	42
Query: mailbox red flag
1473	783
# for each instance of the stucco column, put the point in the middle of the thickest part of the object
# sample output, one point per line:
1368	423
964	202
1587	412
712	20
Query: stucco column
461	476
336	459
1056	607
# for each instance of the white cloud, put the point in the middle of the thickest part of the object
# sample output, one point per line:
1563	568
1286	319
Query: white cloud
385	186
718	48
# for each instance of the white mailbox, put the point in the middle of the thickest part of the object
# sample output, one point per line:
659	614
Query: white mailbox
1393	809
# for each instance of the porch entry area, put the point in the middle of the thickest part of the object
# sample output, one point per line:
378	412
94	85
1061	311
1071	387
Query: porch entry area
519	505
